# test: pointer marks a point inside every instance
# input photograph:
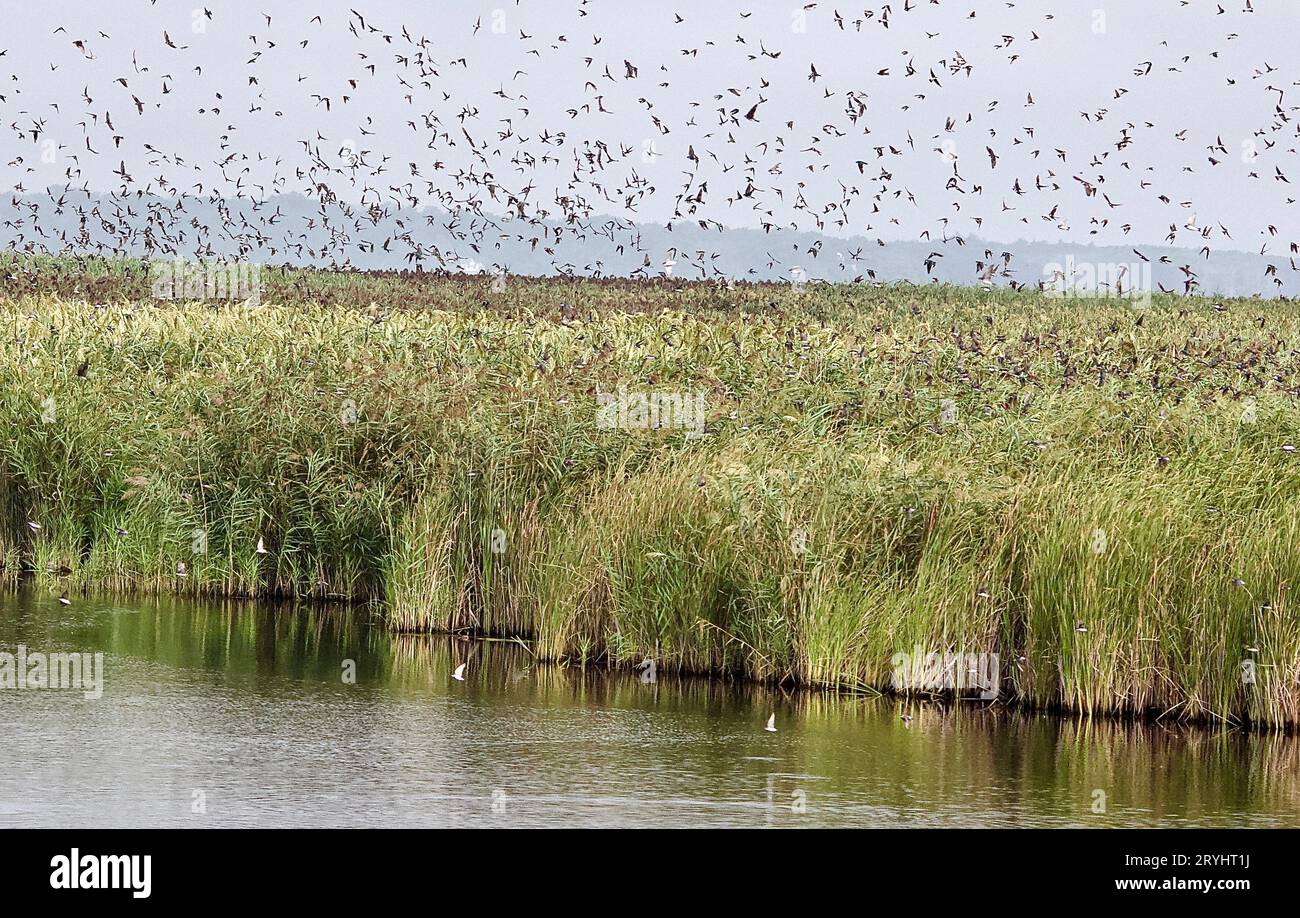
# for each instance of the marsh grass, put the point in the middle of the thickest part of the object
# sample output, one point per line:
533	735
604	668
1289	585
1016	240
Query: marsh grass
439	452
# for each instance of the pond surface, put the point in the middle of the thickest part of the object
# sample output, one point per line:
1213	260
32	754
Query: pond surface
240	715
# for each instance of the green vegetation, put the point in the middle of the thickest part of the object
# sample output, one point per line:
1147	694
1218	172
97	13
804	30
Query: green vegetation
1104	494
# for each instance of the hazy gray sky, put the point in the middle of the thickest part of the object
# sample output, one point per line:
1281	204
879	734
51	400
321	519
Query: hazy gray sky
1135	94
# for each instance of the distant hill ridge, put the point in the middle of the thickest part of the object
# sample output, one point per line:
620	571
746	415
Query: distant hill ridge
290	229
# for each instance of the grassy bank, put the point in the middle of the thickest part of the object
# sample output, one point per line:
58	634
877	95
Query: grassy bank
1102	494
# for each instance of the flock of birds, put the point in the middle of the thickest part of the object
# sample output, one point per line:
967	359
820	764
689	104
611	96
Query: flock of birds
771	135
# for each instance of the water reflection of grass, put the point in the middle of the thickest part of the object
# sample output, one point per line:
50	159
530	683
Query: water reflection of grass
378	452
852	755
1026	767
233	639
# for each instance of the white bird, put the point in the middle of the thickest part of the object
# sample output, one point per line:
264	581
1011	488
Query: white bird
459	674
771	723
261	549
64	600
34	527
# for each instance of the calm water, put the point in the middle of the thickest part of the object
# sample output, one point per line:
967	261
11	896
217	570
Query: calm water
243	711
